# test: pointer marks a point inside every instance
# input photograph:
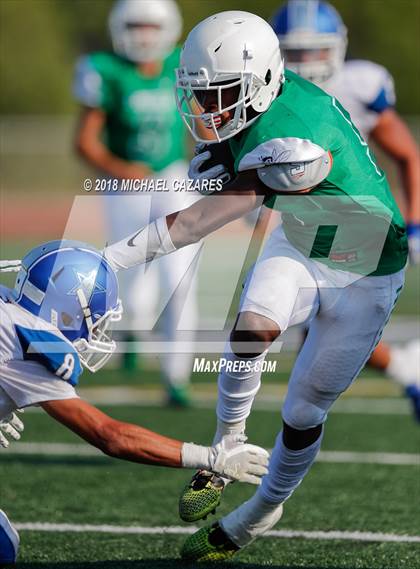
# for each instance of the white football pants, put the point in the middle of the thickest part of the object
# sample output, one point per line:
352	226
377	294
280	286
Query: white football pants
345	314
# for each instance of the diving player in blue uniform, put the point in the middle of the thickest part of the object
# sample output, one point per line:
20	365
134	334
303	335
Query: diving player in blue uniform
57	321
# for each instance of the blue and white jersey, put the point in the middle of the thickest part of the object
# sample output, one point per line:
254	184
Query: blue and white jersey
37	363
365	89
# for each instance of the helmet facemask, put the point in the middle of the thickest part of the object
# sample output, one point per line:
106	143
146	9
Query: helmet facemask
95	350
191	92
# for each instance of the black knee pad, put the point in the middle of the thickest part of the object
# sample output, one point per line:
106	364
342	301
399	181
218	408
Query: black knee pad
248	343
298	440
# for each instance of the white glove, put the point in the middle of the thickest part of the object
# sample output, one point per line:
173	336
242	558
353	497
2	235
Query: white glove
11	426
6	294
195	172
238	461
230	458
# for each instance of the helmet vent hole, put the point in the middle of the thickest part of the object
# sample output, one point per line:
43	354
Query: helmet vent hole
66	319
239	22
57	274
268	77
217	48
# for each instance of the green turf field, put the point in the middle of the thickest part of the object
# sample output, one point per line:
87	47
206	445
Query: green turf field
70	488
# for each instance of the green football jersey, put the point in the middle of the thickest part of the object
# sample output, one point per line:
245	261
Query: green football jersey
143	123
350	220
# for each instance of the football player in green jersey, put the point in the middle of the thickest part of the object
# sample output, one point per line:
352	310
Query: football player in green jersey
313	40
336	262
130	130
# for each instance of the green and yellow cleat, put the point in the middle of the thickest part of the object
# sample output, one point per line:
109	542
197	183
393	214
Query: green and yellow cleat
209	544
201	496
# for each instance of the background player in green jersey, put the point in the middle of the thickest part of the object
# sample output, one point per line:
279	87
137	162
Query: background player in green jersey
130	129
336	262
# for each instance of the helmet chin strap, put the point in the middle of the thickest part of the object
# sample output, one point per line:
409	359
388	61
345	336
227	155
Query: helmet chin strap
82	345
85	308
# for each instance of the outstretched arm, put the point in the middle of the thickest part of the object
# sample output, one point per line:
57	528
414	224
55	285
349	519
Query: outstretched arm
167	234
392	134
114	438
126	441
243	195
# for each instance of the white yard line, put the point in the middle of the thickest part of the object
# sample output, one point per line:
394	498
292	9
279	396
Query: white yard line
51	449
179	530
206	399
348	457
365	397
398	459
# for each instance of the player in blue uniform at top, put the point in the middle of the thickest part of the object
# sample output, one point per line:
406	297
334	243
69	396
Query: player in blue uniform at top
57	321
313	39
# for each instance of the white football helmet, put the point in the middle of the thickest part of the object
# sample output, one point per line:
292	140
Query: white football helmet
230	49
151	43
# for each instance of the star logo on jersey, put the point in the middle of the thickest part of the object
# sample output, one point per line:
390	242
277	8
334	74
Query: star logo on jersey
87	282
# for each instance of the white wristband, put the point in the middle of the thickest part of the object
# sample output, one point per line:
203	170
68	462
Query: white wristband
196	456
150	242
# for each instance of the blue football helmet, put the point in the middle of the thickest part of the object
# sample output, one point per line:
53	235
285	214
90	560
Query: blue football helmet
313	38
71	285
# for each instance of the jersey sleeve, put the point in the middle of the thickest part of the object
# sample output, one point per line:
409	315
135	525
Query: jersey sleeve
7	333
91	87
375	85
54	353
29	383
